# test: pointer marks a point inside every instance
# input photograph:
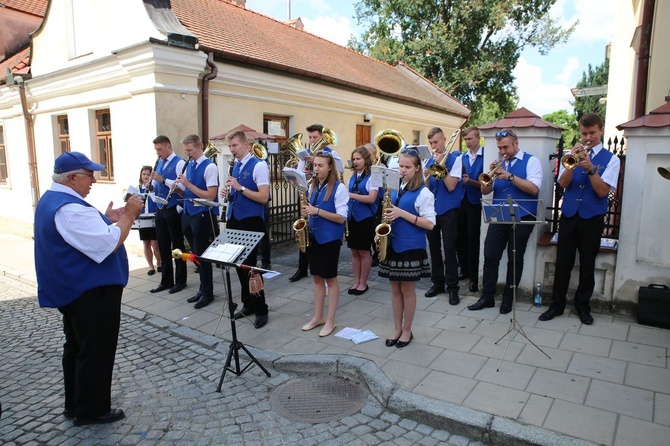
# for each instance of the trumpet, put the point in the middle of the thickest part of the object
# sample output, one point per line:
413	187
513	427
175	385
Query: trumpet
439	170
301	225
487	178
576	156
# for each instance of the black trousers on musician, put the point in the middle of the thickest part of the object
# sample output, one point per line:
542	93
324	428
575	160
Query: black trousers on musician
583	235
255	303
91	326
170	236
469	231
444	235
200	230
499	237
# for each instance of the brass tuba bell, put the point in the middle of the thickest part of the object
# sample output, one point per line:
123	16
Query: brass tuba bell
292	146
389	141
211	151
259	151
664	172
328	138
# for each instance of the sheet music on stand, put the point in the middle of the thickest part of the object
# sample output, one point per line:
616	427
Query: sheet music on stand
382	176
507	212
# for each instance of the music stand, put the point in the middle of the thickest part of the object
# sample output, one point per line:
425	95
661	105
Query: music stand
506	212
249	240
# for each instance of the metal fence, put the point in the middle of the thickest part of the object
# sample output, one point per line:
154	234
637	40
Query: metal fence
613	215
284	207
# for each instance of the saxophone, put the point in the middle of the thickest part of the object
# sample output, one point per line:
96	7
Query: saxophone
383	229
301	225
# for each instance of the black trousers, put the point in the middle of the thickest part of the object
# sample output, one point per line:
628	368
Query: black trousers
170	236
577	233
255	303
499	237
303	262
444	235
469	231
200	230
91	326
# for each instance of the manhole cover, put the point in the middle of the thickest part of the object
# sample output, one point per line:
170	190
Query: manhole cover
317	401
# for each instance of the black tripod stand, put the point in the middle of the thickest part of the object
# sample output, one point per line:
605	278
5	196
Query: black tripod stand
217	253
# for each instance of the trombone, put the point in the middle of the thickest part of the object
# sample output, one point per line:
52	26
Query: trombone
439	170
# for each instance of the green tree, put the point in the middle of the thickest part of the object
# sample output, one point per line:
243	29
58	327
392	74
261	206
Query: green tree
592	77
467	47
568	122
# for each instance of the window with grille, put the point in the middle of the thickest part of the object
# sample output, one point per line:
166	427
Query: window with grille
103	134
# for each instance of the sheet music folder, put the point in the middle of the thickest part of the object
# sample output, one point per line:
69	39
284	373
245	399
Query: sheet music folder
500	213
507	210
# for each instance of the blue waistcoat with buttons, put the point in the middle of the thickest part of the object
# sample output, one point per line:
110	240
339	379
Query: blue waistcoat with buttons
473	170
445	200
240	206
405	235
324	230
579	197
502	189
360	211
169	172
196	175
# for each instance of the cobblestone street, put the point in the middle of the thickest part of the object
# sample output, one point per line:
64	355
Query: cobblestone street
166	385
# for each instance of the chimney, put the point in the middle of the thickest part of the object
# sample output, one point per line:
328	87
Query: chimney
296	23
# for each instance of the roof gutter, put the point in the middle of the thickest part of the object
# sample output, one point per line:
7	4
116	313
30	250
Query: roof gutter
643	59
30	139
205	96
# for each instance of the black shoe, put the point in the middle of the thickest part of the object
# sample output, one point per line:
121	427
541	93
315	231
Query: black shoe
375	262
243	312
261	320
203	302
359	292
453	297
550	314
177	288
195	298
159	269
434	290
506	305
160	288
401	344
297	276
473	287
109	417
462	277
68	413
391	342
585	317
266	266
482	303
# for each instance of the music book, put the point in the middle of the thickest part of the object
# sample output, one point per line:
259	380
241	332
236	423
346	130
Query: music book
357	336
204	202
500	212
224	252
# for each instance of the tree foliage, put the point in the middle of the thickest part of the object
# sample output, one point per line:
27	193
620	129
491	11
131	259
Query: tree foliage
467	47
568	122
592	77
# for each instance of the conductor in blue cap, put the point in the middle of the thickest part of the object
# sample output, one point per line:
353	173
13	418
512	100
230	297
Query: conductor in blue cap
82	268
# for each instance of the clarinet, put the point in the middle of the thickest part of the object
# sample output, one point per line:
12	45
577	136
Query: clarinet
175	184
150	186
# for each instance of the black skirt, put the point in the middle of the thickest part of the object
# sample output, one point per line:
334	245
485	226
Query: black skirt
407	266
361	234
148	234
323	259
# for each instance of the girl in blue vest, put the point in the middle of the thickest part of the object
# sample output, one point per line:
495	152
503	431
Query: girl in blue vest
411	214
361	218
327	211
148	235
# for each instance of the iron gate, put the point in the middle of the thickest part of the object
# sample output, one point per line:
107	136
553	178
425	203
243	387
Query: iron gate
284	207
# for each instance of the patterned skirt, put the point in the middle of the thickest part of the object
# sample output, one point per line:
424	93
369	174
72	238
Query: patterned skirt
408	266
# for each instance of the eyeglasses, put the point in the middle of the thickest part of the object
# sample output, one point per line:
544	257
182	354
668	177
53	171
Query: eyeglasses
90	175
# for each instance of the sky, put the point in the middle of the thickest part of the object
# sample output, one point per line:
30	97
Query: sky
543	82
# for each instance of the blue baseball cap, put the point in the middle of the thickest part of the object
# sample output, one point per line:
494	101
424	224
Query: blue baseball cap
70	161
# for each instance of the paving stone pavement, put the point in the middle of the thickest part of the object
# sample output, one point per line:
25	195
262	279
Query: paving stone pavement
166	385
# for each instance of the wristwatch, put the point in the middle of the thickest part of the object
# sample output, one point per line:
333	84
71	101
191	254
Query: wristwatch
511	178
592	171
242	189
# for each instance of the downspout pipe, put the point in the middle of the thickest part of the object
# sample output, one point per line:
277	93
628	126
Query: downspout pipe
30	139
643	59
205	96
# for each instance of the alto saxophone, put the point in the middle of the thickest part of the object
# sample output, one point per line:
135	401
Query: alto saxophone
383	229
301	225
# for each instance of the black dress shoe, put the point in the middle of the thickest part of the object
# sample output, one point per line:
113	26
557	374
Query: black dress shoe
297	276
391	342
473	287
506	305
203	302
453	297
401	344
549	314
177	288
160	288
195	298
585	317
243	313
482	303
351	291
109	417
261	320
434	290
68	413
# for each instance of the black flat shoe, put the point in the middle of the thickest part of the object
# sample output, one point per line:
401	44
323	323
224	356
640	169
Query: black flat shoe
586	318
203	302
549	314
434	290
402	344
261	320
351	291
481	303
109	417
151	272
297	276
359	292
195	298
243	313
453	297
391	342
160	288
177	288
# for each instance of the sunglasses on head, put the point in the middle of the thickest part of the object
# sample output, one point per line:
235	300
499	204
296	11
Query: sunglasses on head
505	134
322	153
410	152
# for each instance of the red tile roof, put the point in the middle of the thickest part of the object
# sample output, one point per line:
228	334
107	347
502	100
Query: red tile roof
17	64
34	7
235	33
520	118
659	117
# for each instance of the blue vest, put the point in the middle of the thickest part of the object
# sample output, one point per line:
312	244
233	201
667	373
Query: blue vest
63	272
196	175
360	211
579	196
502	189
169	172
445	200
151	206
405	235
240	206
473	195
324	230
